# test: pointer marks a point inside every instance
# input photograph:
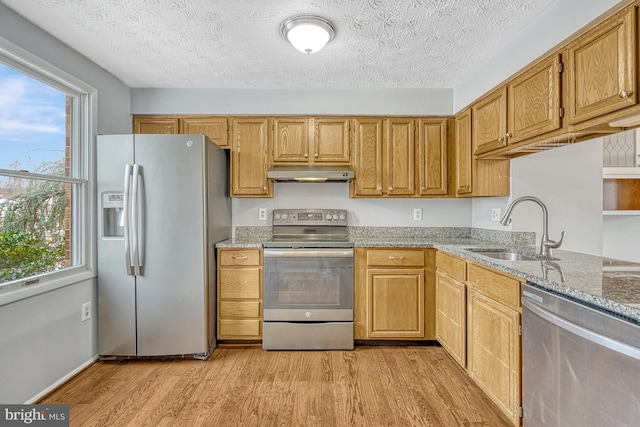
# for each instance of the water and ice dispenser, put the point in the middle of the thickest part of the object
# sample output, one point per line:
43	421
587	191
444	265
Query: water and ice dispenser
113	215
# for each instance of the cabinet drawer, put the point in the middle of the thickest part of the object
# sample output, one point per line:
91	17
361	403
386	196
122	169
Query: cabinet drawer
241	257
240	283
494	285
239	309
452	266
395	257
239	328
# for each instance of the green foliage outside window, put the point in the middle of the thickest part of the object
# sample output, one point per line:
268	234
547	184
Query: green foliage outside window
32	234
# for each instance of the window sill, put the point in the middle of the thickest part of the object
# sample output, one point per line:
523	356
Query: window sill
9	295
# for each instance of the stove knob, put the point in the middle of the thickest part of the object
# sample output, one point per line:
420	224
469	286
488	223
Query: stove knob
307	314
277	216
342	216
328	217
284	216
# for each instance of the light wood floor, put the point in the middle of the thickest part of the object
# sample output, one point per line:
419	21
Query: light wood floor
246	386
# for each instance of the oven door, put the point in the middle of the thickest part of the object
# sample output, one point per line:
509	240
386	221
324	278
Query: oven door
308	284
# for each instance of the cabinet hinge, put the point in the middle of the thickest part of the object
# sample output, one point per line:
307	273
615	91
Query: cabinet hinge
561	67
520	330
521	411
561	112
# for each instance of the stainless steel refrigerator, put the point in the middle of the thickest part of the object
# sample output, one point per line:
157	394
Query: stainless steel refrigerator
163	205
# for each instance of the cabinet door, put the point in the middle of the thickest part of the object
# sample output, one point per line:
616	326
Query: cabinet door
155	125
493	352
601	66
249	145
331	140
534	101
213	127
399	176
368	137
451	317
489	122
463	154
291	140
432	157
395	303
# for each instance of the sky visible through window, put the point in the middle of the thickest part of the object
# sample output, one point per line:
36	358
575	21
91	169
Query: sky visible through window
32	122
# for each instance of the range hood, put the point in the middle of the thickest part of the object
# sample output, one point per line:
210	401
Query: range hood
306	173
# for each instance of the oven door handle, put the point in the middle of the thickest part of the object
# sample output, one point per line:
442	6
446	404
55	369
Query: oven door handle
308	253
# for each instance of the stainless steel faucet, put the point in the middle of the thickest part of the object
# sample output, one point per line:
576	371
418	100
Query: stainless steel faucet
547	244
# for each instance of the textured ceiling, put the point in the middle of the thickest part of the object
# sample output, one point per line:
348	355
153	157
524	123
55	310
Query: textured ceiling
237	43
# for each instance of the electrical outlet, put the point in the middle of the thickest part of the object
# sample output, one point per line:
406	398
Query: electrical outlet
86	311
262	214
417	214
495	214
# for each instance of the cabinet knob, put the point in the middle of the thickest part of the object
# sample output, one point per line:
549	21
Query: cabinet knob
509	134
306	155
501	139
625	93
467	186
316	155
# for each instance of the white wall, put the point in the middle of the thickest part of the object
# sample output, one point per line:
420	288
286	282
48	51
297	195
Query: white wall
621	237
569	182
394	102
43	339
558	22
362	212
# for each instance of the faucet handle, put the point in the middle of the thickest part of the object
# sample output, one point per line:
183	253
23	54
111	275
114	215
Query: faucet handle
552	244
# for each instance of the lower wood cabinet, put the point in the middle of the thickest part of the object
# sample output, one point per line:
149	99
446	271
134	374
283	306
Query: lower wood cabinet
239	294
478	324
391	295
493	337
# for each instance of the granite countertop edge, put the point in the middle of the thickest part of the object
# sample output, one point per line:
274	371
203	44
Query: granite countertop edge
573	274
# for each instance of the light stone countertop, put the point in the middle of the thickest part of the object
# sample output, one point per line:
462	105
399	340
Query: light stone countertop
601	282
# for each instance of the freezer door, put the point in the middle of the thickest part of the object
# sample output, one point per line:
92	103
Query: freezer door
171	292
116	289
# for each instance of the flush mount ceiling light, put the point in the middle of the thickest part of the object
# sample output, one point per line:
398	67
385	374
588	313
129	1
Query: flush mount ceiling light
307	33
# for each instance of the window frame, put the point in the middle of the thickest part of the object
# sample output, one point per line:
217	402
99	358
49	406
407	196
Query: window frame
82	176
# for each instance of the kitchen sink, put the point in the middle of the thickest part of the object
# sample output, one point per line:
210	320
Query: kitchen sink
510	255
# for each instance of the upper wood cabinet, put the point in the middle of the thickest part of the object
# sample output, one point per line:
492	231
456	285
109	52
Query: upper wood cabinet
216	128
153	125
399	162
432	156
602	68
331	140
249	158
291	140
311	140
463	154
368	142
385	157
489	121
476	177
528	106
534	101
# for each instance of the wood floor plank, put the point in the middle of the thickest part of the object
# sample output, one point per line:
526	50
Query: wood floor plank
247	386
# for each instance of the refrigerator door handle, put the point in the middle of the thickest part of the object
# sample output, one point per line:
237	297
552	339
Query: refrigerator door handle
135	235
128	261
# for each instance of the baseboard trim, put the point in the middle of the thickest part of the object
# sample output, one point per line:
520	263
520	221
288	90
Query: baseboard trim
61	381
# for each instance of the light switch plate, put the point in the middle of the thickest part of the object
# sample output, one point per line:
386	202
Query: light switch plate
417	214
262	214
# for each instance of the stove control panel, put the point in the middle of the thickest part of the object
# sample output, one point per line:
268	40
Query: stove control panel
309	217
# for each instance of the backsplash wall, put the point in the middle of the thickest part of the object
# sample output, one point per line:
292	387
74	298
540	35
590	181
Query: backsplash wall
362	212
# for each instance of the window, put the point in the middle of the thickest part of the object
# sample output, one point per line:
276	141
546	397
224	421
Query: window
43	176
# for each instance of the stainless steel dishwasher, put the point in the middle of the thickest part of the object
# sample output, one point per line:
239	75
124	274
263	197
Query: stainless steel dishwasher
580	365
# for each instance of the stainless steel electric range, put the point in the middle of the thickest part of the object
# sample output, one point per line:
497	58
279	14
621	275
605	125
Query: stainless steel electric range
308	282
